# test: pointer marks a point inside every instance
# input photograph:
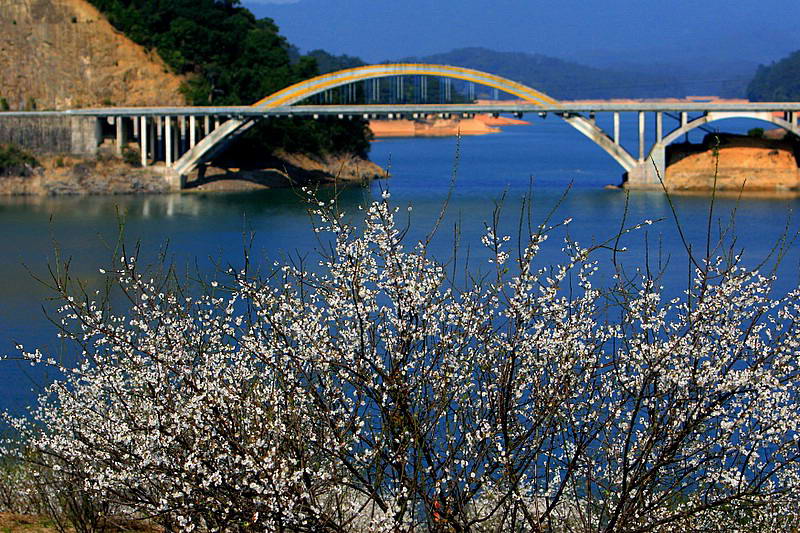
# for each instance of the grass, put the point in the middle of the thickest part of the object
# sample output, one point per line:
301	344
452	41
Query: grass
19	523
16	523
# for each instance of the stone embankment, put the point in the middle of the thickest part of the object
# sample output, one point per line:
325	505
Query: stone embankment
739	163
109	175
68	175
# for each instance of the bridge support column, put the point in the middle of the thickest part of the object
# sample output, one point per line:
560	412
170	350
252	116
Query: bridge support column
646	173
206	125
641	136
151	135
168	141
143	141
135	127
616	127
182	138
175	180
158	150
659	126
192	131
121	134
176	140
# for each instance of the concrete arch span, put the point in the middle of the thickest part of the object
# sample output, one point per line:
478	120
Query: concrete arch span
654	166
715	116
601	138
304	89
220	137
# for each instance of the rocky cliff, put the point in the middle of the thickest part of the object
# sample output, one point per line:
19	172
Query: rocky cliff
58	54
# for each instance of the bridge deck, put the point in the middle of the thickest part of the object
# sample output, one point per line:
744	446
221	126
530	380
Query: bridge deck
174	134
385	109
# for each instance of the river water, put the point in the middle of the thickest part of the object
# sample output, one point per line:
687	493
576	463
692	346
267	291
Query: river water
202	230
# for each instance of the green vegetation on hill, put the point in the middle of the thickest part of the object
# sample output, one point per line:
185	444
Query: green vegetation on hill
330	63
778	82
231	58
16	162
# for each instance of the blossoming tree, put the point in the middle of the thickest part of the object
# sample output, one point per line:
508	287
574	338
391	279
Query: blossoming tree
374	394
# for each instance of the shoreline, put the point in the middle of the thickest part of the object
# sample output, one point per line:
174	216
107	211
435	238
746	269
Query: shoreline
766	165
109	176
734	163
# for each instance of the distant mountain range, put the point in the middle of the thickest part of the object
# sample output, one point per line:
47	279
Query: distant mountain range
569	80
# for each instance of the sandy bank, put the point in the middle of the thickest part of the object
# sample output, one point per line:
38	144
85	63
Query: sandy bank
439	127
288	170
745	163
430	128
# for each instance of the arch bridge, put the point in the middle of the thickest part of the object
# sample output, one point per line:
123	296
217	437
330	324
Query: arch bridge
184	137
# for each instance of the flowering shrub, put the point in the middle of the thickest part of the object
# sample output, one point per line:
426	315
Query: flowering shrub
372	394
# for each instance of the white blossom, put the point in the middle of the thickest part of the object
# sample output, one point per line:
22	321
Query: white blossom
374	395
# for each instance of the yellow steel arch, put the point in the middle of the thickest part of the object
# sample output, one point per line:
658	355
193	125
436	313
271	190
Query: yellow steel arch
299	91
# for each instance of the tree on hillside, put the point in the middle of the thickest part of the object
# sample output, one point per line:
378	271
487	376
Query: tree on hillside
330	63
778	82
231	58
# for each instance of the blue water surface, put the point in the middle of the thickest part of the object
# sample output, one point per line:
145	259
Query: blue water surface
547	158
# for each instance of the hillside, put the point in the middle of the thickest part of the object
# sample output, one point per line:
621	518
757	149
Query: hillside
778	82
58	54
230	57
560	79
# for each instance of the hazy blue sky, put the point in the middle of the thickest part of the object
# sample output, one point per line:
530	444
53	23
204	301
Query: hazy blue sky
592	31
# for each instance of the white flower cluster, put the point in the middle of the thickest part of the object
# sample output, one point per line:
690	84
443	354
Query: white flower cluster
374	395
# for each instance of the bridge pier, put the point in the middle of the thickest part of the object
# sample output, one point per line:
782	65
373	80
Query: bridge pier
160	137
641	136
175	180
659	126
158	149
182	138
168	141
143	141
192	131
645	174
122	134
